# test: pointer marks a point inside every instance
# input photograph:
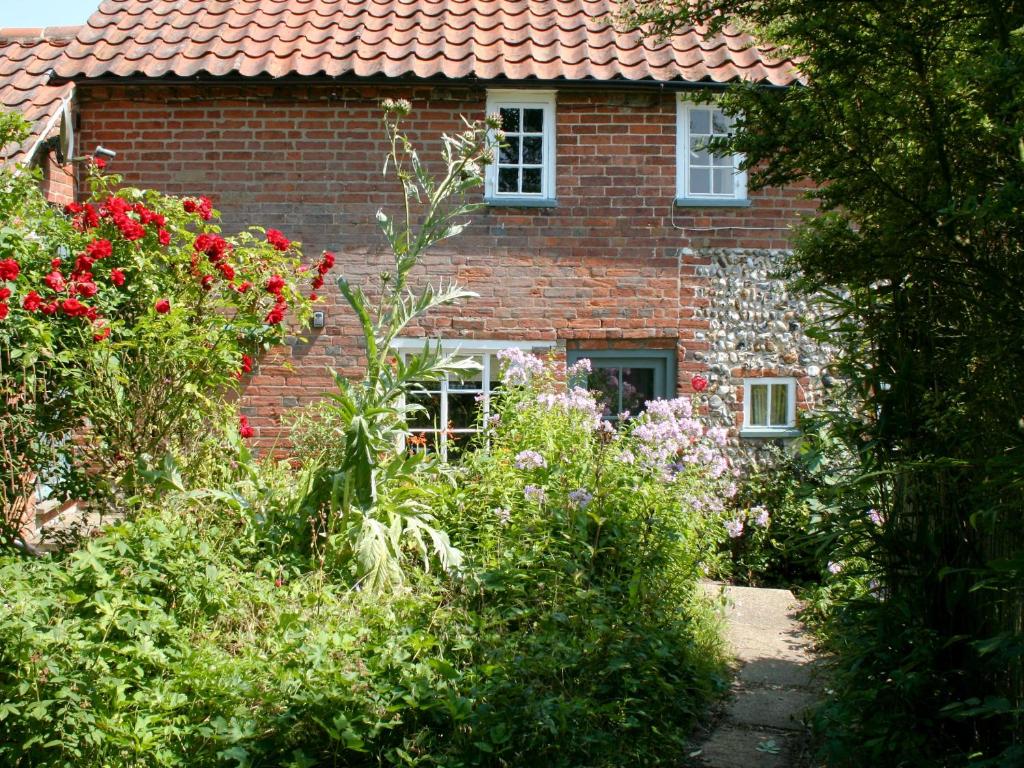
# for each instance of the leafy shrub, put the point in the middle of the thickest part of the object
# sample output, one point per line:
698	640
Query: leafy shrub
572	634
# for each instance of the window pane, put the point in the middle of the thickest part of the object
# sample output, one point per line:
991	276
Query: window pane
724	181
533	120
468	379
700	121
700	181
759	405
780	405
508	179
531	180
604	383
532	151
699	155
722	124
723	161
637	388
509	152
425	419
509	119
462	410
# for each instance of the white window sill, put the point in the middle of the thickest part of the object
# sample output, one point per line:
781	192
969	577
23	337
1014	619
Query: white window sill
521	202
770	433
712	202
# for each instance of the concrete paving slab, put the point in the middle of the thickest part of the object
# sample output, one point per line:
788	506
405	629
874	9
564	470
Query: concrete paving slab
733	747
770	707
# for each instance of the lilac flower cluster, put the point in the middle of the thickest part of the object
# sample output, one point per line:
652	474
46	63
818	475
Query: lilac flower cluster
530	460
760	516
518	366
580	368
734	528
581	498
577	400
504	515
668	432
535	493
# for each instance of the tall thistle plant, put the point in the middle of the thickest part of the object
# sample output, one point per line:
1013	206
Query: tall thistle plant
372	504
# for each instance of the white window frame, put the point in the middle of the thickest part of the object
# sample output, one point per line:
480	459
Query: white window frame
524	99
684	196
468	347
762	430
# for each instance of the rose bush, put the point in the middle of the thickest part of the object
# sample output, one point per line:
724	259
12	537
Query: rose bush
126	322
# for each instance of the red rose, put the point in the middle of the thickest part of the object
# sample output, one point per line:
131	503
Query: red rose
313	297
164	237
5	293
92	313
55	263
130	228
74	308
116	276
9	269
203	206
99	162
31	302
276	315
243	287
87	289
73	208
699	383
55	280
226	270
84	264
277	239
206	282
214	246
163	306
244	430
275	284
246	364
49	309
99	249
326	262
4	310
102	334
318	283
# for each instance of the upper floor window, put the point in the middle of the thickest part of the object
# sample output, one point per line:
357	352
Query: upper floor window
769	407
524	171
704	177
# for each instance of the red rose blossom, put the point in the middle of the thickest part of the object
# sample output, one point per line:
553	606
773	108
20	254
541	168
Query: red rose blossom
163	306
9	270
31	302
87	289
214	246
276	315
246	363
101	334
55	280
116	276
55	263
164	237
5	293
699	383
317	283
275	284
206	282
203	206
84	264
49	309
244	430
277	239
99	162
74	308
99	249
326	262
313	297
4	310
226	270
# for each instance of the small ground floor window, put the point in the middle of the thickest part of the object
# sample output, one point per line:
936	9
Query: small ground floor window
625	379
769	407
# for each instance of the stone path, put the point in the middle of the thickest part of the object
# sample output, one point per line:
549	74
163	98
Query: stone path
762	726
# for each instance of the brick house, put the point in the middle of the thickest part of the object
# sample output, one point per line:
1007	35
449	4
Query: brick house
608	232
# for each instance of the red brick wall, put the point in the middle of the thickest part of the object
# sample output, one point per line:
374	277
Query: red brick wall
603	267
58	182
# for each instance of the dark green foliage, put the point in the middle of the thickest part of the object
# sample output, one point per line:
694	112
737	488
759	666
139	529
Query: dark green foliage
911	126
